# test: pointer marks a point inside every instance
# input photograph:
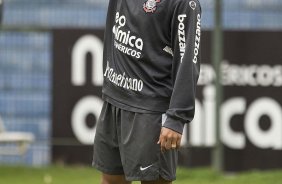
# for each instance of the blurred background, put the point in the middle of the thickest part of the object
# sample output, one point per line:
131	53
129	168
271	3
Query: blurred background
53	107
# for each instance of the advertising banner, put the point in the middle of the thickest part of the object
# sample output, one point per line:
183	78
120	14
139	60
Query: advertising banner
77	82
251	112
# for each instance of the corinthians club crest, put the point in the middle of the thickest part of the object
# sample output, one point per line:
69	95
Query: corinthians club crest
150	6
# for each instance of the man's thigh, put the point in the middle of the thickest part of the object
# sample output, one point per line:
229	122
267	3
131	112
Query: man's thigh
106	155
140	154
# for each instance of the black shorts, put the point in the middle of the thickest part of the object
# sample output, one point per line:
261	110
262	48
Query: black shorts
126	143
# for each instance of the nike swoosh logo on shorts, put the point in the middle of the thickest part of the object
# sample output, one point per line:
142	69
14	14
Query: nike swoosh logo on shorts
144	168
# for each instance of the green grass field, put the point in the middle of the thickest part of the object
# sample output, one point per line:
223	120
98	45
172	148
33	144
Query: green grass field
84	175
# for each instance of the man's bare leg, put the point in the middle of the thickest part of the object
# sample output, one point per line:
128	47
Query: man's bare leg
160	181
114	179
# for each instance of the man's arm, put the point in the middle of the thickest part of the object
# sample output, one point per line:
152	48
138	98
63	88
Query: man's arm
186	32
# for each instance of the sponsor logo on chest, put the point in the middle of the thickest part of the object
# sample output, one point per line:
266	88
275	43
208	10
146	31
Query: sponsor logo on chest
124	40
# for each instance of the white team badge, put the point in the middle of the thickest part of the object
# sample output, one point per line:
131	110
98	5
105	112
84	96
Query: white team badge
150	6
193	5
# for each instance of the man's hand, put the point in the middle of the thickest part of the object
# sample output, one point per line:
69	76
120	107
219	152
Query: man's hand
169	139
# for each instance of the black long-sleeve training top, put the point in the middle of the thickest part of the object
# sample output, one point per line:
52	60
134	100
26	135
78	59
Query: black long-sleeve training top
152	57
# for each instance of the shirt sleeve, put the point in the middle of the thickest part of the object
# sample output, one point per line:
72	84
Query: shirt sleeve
185	41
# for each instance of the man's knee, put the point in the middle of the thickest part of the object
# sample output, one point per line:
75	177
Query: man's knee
114	179
160	181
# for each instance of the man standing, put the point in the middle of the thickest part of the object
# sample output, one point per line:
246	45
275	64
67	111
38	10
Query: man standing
151	68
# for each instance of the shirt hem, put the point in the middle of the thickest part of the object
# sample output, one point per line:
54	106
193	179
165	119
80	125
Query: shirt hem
135	103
